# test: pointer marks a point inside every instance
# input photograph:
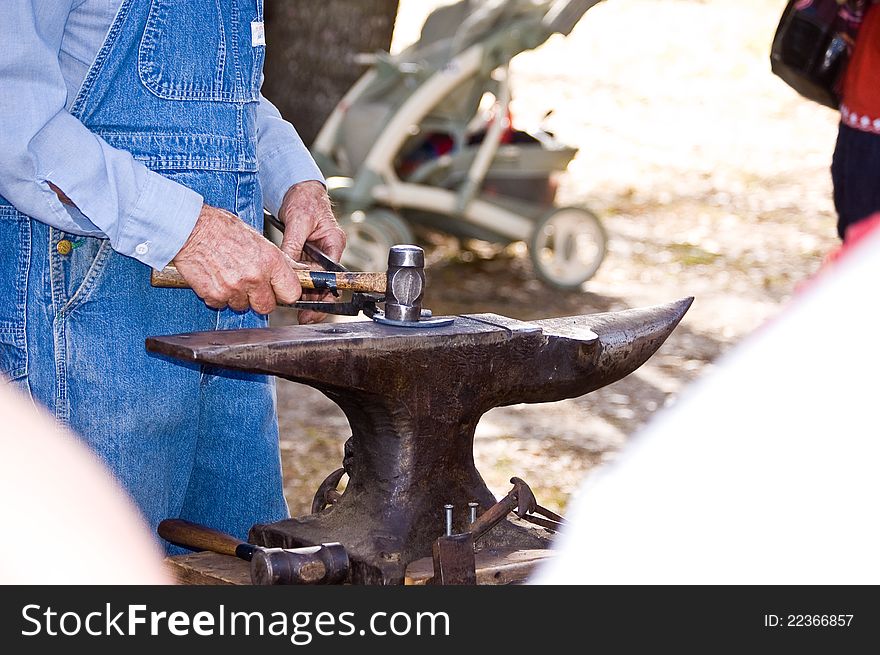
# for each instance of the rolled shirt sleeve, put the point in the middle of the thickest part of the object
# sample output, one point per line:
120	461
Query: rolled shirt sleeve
284	158
144	215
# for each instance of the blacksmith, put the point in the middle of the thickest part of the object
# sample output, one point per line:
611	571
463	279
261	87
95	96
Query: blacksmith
133	134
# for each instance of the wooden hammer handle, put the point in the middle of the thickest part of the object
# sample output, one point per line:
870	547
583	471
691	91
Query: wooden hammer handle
199	537
493	516
170	278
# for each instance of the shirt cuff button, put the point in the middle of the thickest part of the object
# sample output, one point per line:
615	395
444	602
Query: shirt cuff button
141	249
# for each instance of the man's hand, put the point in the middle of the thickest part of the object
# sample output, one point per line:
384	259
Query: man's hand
307	216
227	262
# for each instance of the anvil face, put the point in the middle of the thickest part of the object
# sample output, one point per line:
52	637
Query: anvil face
413	398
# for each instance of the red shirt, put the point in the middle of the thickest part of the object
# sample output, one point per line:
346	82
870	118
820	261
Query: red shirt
861	88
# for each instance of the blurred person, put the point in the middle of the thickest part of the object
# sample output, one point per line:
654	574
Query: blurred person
855	168
764	472
134	134
78	526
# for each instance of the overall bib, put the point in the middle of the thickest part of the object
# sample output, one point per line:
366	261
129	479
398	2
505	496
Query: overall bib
176	84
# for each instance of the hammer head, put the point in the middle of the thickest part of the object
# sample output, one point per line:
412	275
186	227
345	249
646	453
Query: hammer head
406	283
526	503
324	564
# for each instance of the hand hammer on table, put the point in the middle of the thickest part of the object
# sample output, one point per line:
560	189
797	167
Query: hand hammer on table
324	564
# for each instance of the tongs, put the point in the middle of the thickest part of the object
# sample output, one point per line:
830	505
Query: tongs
359	302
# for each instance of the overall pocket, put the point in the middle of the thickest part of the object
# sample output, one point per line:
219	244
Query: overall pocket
201	50
15	238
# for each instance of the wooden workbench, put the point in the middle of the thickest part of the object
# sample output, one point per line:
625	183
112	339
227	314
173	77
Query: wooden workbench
493	568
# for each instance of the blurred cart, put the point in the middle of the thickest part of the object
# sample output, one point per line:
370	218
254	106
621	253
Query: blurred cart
425	137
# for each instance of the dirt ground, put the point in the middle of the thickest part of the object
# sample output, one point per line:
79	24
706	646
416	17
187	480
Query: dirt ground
711	178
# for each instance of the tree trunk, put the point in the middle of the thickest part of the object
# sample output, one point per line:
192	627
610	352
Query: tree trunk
310	45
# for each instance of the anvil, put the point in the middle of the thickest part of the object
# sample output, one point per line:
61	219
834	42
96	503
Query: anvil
413	397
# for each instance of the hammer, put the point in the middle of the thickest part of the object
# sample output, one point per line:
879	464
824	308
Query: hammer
324	564
403	285
520	498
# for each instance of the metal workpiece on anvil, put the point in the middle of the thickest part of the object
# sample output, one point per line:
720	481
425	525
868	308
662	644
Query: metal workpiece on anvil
413	398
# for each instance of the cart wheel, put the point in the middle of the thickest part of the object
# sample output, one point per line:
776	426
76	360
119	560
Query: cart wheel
567	247
370	236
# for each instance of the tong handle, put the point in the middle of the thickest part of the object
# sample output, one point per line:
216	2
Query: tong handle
312	251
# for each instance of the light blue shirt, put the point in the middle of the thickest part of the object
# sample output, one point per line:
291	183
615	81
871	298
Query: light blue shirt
46	49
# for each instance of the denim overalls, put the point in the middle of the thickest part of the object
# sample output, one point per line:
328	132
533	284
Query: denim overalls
176	84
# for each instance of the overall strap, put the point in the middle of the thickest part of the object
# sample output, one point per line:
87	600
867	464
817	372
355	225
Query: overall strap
176	84
109	41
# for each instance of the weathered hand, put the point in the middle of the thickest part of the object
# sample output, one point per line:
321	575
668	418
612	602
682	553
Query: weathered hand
307	216
227	262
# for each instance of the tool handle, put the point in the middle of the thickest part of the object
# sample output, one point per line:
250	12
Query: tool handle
170	278
199	537
493	516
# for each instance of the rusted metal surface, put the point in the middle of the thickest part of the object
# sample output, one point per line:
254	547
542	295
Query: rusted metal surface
413	397
520	498
454	560
327	493
324	564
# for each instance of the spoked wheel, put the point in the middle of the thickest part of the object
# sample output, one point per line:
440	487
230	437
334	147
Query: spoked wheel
370	236
567	247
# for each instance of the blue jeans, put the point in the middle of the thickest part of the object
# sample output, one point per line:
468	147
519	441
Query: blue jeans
183	440
187	441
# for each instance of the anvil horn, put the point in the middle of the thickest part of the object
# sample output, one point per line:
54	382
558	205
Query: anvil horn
595	350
